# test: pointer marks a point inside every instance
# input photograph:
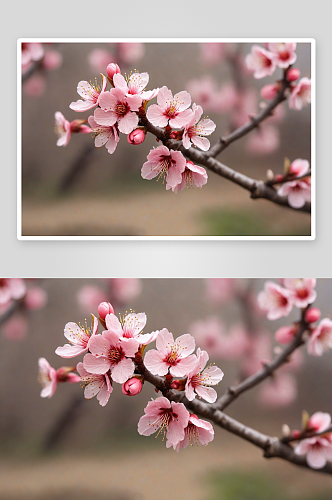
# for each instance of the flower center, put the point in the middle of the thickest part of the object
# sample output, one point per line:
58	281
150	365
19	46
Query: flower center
121	109
172	357
172	110
115	354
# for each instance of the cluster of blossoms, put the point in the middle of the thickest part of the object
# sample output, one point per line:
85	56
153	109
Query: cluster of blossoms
16	299
35	53
295	183
124	110
116	356
317	448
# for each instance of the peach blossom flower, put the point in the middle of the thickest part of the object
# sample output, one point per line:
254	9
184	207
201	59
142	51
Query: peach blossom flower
172	110
11	288
262	62
298	192
301	94
135	85
275	300
104	135
299	167
170	418
62	129
318	449
195	129
90	95
47	377
131	327
197	431
164	162
200	379
116	107
303	290
33	51
285	53
193	175
321	338
171	355
95	385
285	334
79	337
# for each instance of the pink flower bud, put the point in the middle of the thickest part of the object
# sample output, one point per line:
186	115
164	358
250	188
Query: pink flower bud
175	384
112	69
78	127
64	374
104	309
270	91
132	387
279	177
296	434
312	315
293	74
174	134
137	136
285	334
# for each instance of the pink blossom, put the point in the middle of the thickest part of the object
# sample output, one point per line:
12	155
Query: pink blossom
195	129
105	308
193	175
197	431
132	387
303	290
167	163
270	91
89	297
136	137
312	315
301	94
131	328
35	85
298	192
262	62
52	59
135	85
318	449
33	51
321	338
109	352
95	385
62	129
171	355
278	392
116	107
286	334
170	418
99	59
212	53
15	328
90	95
11	288
111	69
126	289
299	167
104	135
285	53
130	52
264	141
47	377
35	298
200	379
172	110
275	300
293	74
78	337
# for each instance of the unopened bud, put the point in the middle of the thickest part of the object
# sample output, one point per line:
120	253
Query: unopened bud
269	92
312	315
104	309
111	69
296	434
179	385
279	177
64	374
132	387
137	136
79	127
293	74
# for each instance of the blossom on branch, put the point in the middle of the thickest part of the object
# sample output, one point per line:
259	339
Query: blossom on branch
197	431
163	162
303	290
321	338
172	110
200	379
318	449
117	107
195	129
79	338
131	328
95	385
90	95
301	94
275	300
193	175
284	52
104	135
262	62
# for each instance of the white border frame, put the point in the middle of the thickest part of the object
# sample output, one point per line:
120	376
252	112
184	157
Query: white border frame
312	41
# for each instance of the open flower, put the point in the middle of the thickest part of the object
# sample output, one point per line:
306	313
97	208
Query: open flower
303	290
199	379
170	418
261	62
197	431
62	129
167	163
135	85
104	135
109	352
318	449
131	327
193	175
298	192
95	385
11	288
301	94
172	110
78	337
47	377
285	53
116	107
90	95
275	300
195	129
321	338
299	167
173	355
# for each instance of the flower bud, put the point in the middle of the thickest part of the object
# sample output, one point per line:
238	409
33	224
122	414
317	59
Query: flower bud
137	136
312	315
64	374
285	334
111	69
104	309
279	177
132	387
296	434
78	127
269	92
293	74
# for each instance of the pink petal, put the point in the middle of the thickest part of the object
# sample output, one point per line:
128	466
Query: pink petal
122	371
81	106
70	351
113	324
201	142
184	366
130	347
154	361
98	365
184	98
207	393
181	119
128	123
106	118
164	95
155	115
120	82
104	395
164	340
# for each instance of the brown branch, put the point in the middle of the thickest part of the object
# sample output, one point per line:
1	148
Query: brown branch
306	434
267	370
287	178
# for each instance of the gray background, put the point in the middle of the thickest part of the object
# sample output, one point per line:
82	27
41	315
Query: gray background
160	258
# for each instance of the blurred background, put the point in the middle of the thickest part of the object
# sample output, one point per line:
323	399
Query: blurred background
67	446
83	191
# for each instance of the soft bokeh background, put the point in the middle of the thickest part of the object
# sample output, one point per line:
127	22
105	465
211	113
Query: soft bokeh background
109	197
98	452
